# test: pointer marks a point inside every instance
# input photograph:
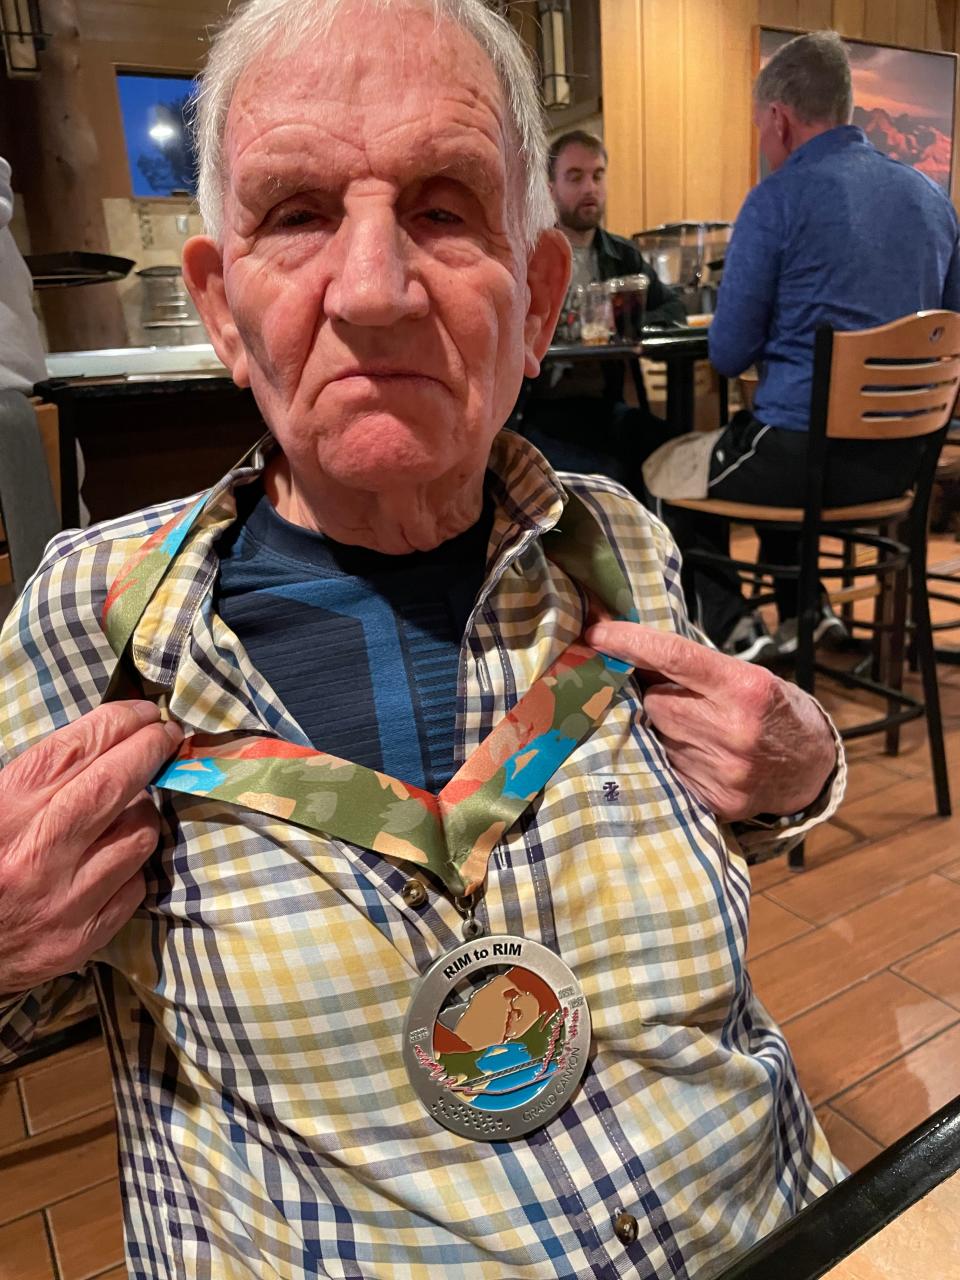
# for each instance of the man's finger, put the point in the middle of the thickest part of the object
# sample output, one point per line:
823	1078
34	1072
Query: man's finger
50	765
115	913
665	701
80	812
118	854
665	654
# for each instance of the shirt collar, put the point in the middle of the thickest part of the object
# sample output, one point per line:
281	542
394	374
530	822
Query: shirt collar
529	499
843	136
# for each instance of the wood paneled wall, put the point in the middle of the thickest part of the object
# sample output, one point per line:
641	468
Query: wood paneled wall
677	77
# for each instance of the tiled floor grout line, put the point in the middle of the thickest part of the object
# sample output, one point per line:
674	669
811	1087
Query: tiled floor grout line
886	892
853	1123
54	1204
898	1057
856	849
757	955
54	1259
18	1092
802	1013
76	1115
864	842
784	1023
932	942
912	982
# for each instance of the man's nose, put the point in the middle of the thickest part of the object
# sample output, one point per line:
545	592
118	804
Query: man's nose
372	283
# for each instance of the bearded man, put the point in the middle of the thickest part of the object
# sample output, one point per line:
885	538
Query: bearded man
444	743
575	411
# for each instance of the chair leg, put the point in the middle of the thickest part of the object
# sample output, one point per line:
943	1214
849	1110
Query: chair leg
883	609
846	610
913	661
807	613
923	639
896	639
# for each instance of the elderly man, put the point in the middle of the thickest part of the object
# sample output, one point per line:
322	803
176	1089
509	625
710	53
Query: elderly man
837	234
438	965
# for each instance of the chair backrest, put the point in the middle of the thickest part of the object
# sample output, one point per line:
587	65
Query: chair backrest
27	505
895	381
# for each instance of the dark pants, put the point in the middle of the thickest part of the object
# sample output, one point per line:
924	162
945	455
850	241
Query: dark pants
760	464
592	436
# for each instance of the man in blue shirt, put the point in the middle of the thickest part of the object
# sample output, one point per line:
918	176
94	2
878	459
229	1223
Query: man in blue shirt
837	234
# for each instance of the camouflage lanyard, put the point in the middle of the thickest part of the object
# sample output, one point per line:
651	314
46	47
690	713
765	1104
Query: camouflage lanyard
454	832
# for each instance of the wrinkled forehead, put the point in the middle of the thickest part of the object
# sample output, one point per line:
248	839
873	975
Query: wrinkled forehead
366	86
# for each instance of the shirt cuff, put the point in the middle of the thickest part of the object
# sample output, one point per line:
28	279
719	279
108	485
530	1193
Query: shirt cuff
768	835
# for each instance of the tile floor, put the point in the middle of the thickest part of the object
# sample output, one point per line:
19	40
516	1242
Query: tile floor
858	957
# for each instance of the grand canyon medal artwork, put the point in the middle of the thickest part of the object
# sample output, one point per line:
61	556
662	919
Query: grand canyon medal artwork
496	1037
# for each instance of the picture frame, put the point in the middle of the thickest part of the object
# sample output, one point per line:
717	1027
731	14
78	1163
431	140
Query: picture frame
905	100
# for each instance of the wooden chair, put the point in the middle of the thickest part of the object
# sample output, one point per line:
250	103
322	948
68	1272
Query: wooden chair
896	381
28	503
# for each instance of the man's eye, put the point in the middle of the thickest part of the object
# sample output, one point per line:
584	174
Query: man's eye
292	218
442	217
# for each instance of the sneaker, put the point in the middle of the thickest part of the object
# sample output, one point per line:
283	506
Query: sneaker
829	632
750	640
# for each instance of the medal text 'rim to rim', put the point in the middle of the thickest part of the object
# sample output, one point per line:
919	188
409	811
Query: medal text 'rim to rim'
542	1080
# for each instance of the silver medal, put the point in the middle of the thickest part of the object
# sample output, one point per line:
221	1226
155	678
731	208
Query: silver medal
496	1037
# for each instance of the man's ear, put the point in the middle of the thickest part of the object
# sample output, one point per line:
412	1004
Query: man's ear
203	276
548	275
783	123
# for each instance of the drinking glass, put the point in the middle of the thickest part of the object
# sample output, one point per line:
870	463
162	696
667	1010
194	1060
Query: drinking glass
628	298
568	325
596	316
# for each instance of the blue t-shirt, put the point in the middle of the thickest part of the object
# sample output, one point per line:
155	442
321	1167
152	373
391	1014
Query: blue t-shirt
362	648
840	235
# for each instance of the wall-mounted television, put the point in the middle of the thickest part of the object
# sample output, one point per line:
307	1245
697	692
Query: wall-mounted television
160	152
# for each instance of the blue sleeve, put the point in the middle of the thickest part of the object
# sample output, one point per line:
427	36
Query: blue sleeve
748	290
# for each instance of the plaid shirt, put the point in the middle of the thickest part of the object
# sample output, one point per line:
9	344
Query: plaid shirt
254	1004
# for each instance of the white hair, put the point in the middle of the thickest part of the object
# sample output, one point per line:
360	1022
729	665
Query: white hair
259	24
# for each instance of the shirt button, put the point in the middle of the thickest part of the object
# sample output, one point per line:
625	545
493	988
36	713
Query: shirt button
413	893
625	1228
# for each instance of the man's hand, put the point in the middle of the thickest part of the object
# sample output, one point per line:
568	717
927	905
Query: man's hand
76	827
741	739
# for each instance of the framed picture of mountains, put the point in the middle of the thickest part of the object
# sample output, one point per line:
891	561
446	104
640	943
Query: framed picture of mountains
903	100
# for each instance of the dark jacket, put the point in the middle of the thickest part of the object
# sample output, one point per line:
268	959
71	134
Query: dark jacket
617	256
600	383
